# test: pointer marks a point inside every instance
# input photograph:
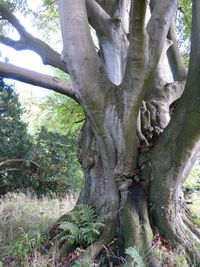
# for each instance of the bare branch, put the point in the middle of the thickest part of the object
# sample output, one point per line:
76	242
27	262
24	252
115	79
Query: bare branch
17	45
98	17
109	6
123	13
186	117
195	39
118	10
177	66
158	26
79	52
20	161
138	42
10	170
38	79
27	41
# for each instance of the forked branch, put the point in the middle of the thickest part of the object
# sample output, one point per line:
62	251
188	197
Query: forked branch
158	27
138	41
79	51
98	17
28	41
176	63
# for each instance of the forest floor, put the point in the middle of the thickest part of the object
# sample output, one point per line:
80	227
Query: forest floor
25	221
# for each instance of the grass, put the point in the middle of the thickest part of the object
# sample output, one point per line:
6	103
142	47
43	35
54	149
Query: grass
24	222
191	190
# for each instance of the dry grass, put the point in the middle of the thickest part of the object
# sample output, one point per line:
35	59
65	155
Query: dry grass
24	218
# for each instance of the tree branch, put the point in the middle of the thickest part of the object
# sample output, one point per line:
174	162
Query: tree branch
123	13
109	6
117	10
21	161
138	42
17	45
79	52
195	39
181	138
158	27
177	66
27	41
10	170
38	79
98	18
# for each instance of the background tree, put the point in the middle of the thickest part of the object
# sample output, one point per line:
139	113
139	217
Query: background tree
55	124
15	140
184	26
138	143
44	162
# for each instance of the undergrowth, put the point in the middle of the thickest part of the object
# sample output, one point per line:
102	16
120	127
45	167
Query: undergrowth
25	221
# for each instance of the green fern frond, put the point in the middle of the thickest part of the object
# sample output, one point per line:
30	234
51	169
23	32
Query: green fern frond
71	227
81	226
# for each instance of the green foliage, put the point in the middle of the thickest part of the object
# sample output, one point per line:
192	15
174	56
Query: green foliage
27	244
46	162
184	26
192	183
83	263
81	226
59	171
57	113
191	189
45	19
15	5
53	125
174	258
24	221
15	141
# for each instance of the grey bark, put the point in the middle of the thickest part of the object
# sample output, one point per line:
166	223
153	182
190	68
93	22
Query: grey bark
177	66
179	152
130	142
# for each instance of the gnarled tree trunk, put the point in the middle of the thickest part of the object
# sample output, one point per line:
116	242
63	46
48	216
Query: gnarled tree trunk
141	134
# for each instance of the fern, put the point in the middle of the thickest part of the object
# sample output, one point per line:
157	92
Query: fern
81	226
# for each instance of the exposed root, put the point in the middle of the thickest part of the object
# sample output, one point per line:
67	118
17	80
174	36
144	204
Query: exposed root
65	249
107	235
180	234
135	225
192	226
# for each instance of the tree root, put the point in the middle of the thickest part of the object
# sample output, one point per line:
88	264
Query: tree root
181	233
191	226
135	220
107	235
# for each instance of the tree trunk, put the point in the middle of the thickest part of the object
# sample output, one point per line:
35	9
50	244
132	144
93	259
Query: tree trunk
133	172
144	191
141	133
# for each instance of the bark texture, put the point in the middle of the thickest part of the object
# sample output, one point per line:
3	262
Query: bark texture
141	133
